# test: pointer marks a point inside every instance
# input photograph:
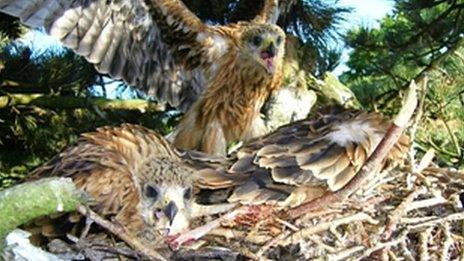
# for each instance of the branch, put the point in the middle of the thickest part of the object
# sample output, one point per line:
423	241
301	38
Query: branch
176	241
121	233
306	232
435	63
25	202
372	164
69	102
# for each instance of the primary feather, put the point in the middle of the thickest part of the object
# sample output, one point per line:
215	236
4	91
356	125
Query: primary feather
161	46
303	160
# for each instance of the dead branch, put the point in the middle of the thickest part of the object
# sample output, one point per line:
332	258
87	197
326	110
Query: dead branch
424	243
391	243
199	232
400	211
121	233
426	203
306	232
416	121
447	242
436	221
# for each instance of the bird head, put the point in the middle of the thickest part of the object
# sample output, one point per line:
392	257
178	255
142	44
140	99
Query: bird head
167	207
265	44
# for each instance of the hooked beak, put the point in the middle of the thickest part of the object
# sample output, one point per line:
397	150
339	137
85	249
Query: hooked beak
171	211
267	55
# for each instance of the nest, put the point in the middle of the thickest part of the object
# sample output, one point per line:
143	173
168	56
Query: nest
397	215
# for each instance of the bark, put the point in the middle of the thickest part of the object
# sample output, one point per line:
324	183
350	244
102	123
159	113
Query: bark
25	202
69	102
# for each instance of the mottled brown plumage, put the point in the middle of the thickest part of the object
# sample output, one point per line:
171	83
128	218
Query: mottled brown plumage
158	44
303	160
242	64
133	174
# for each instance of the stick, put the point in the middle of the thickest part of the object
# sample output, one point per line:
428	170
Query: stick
400	211
121	233
306	232
400	238
447	242
199	232
436	221
372	164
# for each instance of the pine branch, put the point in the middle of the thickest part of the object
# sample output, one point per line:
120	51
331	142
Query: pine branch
69	102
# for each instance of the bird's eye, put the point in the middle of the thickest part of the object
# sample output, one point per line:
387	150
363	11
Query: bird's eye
188	193
279	40
151	192
257	40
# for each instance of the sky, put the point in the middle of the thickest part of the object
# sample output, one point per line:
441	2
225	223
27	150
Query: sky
365	12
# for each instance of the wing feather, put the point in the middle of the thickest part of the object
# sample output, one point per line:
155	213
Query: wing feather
269	13
323	154
121	39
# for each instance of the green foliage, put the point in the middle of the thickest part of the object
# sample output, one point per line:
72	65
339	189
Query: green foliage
420	39
30	135
10	27
50	72
314	22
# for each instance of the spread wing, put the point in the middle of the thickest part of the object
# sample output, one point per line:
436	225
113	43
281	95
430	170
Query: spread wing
324	153
269	13
130	40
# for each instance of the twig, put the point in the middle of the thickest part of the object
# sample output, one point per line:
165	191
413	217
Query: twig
115	250
227	233
306	232
272	243
424	244
345	253
121	233
405	251
199	232
400	211
436	221
82	244
207	254
416	121
415	220
400	238
426	203
287	224
389	255
372	164
88	224
425	161
453	173
447	242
